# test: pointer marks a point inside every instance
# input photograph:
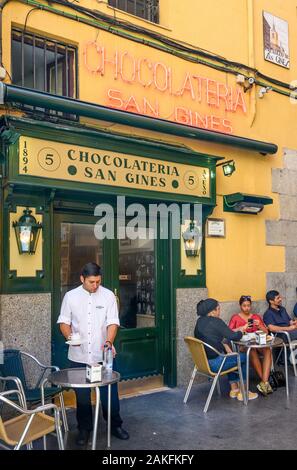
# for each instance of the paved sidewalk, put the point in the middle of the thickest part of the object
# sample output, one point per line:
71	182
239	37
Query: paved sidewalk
161	421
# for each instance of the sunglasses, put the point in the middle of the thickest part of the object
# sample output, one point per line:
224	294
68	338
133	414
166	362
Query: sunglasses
246	297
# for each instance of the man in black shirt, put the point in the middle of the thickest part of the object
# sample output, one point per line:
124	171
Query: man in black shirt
212	330
276	317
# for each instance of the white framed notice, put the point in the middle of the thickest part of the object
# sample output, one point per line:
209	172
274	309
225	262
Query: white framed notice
216	228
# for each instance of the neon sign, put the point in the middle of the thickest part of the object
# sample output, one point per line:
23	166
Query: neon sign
159	81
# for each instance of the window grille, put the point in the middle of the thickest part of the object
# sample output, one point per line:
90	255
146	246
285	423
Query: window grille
147	9
43	64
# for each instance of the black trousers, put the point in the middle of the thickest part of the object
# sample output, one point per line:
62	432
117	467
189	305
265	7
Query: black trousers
84	413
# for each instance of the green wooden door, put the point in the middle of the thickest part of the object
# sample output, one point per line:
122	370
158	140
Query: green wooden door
137	272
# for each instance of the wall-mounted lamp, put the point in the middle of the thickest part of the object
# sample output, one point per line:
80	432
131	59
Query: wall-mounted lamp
245	203
27	231
192	240
248	207
228	167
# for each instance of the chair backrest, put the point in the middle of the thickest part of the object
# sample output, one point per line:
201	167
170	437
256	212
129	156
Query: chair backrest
197	350
3	435
13	366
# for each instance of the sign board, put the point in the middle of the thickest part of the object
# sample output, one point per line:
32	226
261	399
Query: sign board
157	84
59	161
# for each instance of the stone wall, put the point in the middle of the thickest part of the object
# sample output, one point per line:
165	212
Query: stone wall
283	232
229	308
26	324
186	301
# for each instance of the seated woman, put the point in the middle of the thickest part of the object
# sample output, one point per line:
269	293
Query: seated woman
212	330
254	322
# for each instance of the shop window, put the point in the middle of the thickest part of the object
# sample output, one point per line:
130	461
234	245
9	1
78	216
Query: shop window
147	9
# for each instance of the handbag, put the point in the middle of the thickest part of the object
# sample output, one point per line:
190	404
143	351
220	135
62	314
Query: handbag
277	379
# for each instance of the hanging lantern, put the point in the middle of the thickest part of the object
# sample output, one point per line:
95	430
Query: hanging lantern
27	231
192	240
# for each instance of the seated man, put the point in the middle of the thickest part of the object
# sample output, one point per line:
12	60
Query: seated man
276	317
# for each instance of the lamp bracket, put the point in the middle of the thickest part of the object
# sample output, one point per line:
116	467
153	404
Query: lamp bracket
225	162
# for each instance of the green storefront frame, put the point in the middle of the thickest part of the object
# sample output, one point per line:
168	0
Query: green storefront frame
44	194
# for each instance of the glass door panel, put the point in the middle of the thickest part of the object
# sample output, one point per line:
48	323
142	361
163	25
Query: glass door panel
78	246
137	282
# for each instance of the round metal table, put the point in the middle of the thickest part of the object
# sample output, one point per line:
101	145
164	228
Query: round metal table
76	378
274	343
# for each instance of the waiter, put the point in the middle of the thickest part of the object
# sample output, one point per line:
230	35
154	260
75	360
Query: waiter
91	310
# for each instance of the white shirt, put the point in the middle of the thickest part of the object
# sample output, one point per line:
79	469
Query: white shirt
89	315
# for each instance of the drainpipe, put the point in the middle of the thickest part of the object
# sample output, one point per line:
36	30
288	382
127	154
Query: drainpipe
14	94
251	58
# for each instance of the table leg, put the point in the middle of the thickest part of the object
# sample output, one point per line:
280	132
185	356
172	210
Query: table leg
286	369
109	417
43	403
97	409
247	375
63	412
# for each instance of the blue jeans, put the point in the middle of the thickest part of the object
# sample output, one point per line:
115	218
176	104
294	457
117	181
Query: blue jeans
230	362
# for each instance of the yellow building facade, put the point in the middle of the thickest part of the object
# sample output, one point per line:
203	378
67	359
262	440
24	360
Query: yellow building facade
198	88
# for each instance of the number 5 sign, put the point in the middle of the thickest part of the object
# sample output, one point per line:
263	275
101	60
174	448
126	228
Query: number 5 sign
49	159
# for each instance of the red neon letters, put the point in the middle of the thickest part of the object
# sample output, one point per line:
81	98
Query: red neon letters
124	67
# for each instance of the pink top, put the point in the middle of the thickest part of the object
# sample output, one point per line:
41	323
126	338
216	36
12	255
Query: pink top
237	321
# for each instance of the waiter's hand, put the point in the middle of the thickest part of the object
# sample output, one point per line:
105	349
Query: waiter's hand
114	351
107	344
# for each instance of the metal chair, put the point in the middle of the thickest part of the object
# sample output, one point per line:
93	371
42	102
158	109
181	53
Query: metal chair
30	425
197	350
12	373
291	344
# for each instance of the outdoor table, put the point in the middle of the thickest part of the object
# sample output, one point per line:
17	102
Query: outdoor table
274	343
76	378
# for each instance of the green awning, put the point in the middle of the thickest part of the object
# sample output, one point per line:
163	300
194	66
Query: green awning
19	95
